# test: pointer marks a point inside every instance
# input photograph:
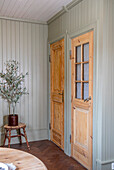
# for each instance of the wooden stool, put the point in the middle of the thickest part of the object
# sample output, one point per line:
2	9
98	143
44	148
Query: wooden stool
9	128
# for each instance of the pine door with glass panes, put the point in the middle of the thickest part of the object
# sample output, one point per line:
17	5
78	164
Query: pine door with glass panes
82	99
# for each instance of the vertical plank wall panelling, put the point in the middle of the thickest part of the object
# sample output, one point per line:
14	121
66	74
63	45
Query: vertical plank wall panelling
108	89
27	43
21	45
4	54
76	21
1	120
25	68
79	16
30	74
41	70
33	76
16	50
45	77
13	35
37	76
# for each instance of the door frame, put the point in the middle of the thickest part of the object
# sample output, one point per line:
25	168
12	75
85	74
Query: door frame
67	98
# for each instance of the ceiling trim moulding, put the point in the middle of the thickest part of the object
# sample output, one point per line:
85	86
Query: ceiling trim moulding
64	10
24	20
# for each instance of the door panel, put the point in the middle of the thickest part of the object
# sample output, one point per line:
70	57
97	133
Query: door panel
57	93
82	99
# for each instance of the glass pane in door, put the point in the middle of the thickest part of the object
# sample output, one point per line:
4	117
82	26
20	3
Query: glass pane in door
78	90
86	71
86	52
78	54
85	90
78	71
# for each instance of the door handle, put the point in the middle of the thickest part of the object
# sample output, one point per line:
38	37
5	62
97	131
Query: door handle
87	99
60	93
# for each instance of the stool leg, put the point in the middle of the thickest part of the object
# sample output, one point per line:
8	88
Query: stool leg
9	138
5	137
26	138
20	137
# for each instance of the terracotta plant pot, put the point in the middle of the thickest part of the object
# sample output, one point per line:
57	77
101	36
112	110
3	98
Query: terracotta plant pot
13	120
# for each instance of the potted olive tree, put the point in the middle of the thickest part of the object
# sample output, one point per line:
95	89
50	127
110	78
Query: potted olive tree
12	88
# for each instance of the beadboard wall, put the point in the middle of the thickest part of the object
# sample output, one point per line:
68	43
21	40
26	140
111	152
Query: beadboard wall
107	146
80	17
27	43
81	14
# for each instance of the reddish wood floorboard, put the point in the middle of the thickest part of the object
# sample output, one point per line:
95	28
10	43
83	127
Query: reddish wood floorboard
51	155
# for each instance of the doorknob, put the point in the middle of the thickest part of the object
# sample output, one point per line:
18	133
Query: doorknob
87	99
60	93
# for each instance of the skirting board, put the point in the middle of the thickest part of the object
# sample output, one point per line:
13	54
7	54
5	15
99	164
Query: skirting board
104	165
32	135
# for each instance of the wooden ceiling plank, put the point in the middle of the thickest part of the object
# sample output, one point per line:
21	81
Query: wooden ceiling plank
20	9
41	10
36	13
4	7
1	4
11	7
27	8
36	7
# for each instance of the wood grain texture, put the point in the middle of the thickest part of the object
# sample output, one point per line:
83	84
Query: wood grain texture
82	112
31	9
51	155
57	92
20	159
20	125
18	128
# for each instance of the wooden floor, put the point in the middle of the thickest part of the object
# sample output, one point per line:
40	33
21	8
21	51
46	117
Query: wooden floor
52	156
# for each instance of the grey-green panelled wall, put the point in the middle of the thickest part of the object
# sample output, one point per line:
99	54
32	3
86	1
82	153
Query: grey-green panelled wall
27	43
82	17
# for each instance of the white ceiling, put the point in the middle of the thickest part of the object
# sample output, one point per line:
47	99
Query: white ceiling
39	10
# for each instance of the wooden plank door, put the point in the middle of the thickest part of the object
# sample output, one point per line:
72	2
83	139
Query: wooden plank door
57	93
82	99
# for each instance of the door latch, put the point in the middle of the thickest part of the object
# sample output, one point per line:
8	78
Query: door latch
49	126
62	95
70	138
50	58
87	99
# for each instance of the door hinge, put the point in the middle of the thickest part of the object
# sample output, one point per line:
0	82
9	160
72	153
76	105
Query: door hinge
63	96
49	126
70	138
70	53
50	58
